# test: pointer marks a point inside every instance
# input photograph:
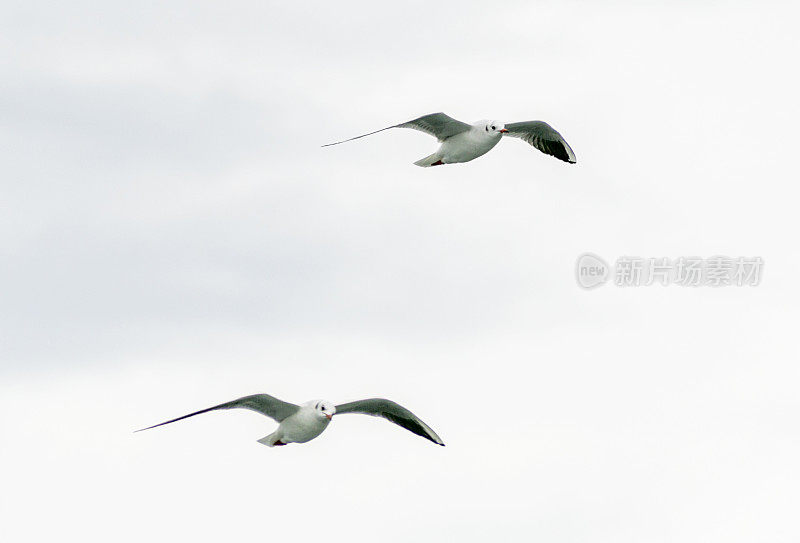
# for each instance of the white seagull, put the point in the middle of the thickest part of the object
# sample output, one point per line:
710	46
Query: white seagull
462	142
302	423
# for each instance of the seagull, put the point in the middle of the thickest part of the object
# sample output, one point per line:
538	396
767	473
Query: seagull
462	142
302	423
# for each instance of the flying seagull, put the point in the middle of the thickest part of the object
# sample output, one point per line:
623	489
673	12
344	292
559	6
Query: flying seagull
462	142
302	423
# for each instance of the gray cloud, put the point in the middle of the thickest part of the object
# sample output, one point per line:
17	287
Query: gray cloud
172	235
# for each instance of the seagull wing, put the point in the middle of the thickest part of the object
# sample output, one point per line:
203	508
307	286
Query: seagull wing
260	403
544	137
379	407
438	125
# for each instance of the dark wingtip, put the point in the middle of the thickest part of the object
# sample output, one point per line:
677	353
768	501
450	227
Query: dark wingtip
435	439
148	428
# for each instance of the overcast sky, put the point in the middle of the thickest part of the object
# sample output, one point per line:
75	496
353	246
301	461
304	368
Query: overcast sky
172	236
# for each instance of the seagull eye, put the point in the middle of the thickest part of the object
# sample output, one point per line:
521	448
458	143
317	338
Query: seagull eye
493	128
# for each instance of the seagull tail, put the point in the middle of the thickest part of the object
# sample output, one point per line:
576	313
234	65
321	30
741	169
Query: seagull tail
429	161
271	440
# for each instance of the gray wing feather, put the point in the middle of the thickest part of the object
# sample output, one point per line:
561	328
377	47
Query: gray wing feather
544	137
438	125
260	403
379	407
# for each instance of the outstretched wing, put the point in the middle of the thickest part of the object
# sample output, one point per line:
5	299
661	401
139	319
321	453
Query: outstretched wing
544	137
379	407
439	125
260	403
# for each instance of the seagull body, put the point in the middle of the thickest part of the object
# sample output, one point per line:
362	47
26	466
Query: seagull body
464	146
301	427
302	423
462	142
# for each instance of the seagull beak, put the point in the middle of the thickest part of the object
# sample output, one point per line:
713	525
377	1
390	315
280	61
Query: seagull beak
503	131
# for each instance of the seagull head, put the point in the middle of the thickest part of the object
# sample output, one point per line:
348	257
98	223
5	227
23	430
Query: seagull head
495	128
323	409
